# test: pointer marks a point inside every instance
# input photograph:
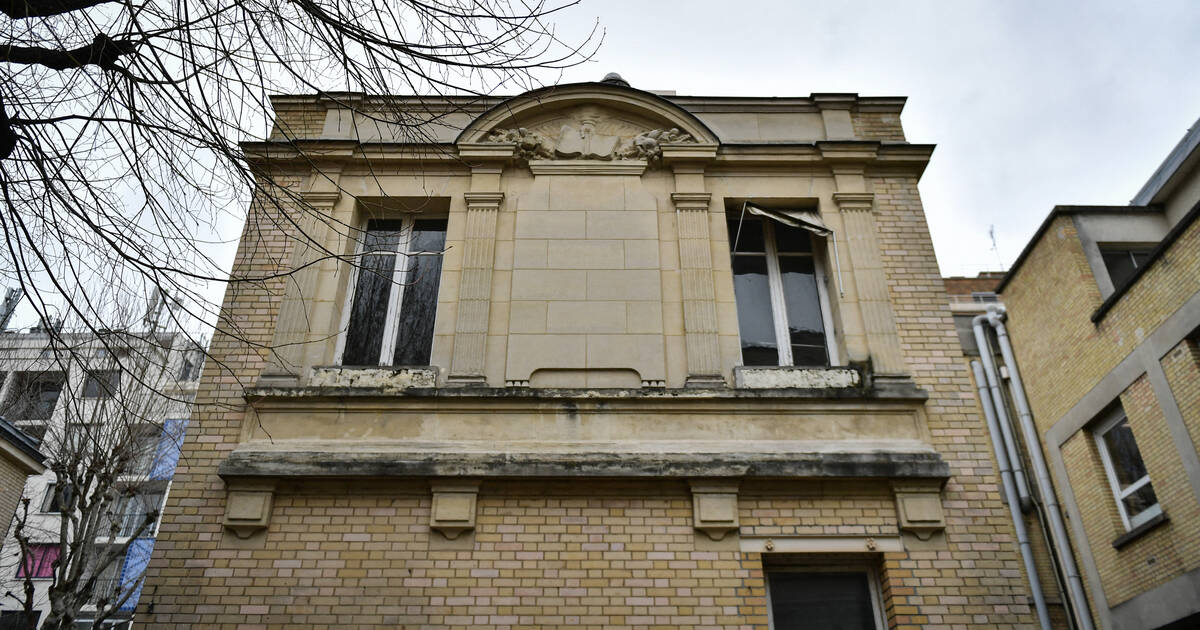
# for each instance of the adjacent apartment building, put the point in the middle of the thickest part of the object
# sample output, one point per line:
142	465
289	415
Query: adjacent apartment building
1104	317
587	356
91	400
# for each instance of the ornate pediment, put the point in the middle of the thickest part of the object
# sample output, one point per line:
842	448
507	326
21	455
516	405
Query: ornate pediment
589	133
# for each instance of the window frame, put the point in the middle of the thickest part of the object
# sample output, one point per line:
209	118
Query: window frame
873	585
395	296
783	341
107	384
1111	420
1134	251
41	567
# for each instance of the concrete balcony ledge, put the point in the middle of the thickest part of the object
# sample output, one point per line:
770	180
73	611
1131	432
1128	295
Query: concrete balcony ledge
833	459
751	383
787	377
395	379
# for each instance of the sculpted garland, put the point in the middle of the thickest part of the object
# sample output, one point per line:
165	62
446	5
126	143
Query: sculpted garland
584	143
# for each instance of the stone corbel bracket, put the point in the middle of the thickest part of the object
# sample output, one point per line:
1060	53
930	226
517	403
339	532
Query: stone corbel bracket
248	507
715	506
453	507
919	508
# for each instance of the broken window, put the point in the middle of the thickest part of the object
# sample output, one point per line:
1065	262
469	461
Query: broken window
394	300
778	283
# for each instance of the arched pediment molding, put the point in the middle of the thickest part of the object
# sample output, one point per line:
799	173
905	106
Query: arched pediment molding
589	121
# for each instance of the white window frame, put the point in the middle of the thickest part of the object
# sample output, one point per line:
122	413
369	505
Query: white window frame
395	297
1115	417
873	587
783	340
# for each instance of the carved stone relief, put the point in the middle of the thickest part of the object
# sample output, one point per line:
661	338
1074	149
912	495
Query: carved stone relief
589	134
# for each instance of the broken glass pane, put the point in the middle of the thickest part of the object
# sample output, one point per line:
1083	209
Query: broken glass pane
414	339
364	335
755	322
806	327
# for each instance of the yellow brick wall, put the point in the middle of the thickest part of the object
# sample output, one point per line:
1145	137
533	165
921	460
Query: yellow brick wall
586	553
297	121
1051	301
1167	551
877	126
1182	366
12	486
979	578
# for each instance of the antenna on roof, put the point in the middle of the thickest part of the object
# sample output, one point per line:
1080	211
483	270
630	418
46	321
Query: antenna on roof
12	297
995	247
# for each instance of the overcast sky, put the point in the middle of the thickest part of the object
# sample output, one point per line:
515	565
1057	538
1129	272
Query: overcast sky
1030	104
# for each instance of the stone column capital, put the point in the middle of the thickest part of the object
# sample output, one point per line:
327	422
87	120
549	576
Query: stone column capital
483	200
848	201
321	199
691	200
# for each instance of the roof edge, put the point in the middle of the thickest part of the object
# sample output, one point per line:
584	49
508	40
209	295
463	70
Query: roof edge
1060	211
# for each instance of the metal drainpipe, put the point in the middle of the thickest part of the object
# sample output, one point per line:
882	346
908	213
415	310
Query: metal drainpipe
1010	443
1010	493
1062	545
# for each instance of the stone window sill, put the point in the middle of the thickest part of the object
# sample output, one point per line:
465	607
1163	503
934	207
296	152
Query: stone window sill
386	378
787	377
1140	530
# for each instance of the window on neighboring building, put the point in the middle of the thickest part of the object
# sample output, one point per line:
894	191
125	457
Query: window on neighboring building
142	447
1125	469
102	384
778	283
984	297
1123	262
19	619
809	598
189	366
39	562
135	514
394	298
51	501
33	395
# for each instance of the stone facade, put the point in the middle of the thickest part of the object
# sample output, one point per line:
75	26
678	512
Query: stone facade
586	447
1096	336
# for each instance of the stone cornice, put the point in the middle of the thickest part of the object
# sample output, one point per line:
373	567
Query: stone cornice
504	461
587	167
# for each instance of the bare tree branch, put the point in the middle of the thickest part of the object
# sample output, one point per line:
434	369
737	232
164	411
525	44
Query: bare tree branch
18	9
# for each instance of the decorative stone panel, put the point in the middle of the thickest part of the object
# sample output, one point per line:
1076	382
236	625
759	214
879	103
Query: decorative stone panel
453	509
919	508
248	508
715	507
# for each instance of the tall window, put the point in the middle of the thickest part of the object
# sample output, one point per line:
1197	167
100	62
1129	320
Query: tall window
814	598
394	300
1126	471
777	281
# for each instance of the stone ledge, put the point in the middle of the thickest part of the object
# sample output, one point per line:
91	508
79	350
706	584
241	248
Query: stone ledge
879	389
772	377
449	461
390	379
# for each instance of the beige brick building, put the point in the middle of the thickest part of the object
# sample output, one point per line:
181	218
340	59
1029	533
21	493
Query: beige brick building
588	356
1104	313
